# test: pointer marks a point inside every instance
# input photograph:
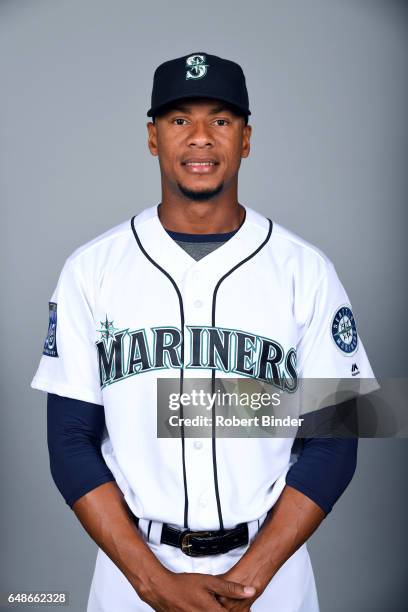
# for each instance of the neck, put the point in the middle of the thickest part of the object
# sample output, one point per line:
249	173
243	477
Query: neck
221	214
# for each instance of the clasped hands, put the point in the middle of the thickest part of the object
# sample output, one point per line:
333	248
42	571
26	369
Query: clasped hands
234	590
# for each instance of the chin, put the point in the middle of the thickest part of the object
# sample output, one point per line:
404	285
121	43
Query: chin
202	194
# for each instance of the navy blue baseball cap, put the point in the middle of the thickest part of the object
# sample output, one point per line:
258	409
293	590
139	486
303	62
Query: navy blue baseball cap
199	75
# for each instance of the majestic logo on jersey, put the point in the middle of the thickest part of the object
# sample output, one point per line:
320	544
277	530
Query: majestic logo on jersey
123	353
196	67
50	344
344	331
354	370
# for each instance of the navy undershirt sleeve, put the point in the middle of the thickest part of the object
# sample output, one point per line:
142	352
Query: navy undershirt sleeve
74	431
324	469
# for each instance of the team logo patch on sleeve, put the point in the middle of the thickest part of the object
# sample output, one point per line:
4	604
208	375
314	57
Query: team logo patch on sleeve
50	344
344	330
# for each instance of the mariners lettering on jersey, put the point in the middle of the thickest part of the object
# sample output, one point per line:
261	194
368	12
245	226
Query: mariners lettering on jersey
123	353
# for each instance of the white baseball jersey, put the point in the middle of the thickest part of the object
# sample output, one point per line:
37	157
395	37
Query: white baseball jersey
131	306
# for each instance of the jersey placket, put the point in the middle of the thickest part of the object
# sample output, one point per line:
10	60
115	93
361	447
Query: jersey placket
197	297
197	284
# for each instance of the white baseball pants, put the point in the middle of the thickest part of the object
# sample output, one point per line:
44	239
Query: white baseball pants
292	589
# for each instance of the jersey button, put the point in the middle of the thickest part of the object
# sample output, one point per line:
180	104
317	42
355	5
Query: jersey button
203	503
198	444
198	303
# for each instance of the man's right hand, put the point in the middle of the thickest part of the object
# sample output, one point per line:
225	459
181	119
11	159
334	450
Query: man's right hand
187	592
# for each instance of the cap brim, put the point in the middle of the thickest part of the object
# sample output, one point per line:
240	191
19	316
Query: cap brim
155	110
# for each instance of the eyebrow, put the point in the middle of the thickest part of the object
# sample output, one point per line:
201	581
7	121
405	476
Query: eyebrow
185	109
219	108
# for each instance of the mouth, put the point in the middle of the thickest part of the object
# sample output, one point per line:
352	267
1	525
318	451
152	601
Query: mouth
200	166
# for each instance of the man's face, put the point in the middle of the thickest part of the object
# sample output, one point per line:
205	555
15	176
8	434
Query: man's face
200	144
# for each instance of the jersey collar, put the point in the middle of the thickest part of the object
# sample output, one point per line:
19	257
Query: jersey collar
177	262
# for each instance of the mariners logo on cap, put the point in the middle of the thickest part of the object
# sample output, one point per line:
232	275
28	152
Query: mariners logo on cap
344	331
196	67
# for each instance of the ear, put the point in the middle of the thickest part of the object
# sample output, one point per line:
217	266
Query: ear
152	138
246	137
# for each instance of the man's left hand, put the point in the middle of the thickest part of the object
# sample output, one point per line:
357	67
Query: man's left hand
236	573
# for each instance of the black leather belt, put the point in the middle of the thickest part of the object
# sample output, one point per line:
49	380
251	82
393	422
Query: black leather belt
202	543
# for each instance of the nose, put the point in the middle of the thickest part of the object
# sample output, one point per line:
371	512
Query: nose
199	136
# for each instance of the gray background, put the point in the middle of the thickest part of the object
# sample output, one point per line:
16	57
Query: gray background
328	91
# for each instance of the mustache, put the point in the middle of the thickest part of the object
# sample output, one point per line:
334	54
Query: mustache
203	195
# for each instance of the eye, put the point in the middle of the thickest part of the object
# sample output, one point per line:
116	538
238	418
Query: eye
222	122
179	121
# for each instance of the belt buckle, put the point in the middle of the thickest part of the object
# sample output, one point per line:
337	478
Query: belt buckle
185	543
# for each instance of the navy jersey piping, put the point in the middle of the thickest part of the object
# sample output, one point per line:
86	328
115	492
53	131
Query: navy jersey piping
180	299
214	301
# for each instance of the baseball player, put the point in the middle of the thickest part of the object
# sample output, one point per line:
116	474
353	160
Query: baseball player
199	285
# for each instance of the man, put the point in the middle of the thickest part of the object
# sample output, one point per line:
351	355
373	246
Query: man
198	284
